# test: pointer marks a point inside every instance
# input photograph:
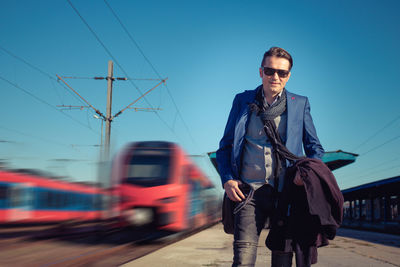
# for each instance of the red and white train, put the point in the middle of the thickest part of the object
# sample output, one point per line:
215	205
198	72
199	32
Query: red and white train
160	186
28	197
153	184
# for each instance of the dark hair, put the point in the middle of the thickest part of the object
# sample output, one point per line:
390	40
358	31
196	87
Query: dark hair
277	52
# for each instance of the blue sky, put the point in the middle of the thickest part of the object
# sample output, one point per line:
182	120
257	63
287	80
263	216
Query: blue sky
345	60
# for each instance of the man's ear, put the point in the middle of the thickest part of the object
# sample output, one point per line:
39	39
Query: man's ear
261	72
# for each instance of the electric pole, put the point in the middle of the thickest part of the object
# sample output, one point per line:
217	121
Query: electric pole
108	118
104	180
110	79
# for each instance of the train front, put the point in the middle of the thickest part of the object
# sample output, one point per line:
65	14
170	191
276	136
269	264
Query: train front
151	188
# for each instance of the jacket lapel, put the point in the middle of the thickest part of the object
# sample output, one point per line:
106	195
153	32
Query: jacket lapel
292	117
241	125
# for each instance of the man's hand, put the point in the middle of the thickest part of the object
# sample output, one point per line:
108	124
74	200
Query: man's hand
298	181
232	190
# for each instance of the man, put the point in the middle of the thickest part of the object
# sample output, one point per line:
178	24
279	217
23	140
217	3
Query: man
246	159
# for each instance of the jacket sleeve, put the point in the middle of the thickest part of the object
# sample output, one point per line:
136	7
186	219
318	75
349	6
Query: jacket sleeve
224	152
312	146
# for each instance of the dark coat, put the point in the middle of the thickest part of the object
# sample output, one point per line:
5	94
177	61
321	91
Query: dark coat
307	216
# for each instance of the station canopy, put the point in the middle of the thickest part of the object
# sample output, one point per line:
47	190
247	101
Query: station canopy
333	159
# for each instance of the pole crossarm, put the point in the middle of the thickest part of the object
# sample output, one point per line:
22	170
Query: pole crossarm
144	109
73	107
114	78
90	105
95	78
129	106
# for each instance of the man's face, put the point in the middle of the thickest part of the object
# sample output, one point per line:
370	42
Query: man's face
274	84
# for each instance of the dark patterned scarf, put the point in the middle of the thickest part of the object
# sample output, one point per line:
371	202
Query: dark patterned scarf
267	114
265	111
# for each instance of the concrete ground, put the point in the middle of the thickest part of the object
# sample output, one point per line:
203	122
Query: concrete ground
213	248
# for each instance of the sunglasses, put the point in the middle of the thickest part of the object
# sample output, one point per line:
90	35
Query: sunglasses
271	71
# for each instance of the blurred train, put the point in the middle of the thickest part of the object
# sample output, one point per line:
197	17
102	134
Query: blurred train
29	197
161	187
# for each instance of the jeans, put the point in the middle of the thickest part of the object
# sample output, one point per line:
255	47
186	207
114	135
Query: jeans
249	222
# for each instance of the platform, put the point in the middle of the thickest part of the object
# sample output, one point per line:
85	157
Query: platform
213	248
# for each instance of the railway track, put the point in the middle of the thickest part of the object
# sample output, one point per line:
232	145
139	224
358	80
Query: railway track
97	246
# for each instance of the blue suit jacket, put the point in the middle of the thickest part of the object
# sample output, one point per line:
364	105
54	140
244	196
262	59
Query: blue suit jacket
300	131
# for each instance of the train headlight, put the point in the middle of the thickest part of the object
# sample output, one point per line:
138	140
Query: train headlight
140	216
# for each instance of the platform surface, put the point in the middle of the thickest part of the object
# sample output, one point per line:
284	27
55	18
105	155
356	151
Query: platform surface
213	248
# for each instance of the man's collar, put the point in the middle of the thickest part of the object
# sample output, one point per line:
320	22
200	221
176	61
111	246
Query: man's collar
275	99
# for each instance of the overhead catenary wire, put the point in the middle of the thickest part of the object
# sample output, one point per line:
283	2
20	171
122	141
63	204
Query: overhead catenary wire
119	65
381	145
43	102
35	68
132	39
376	133
152	66
45	140
116	78
375	168
363	176
144	109
87	102
26	63
357	171
129	106
26	91
58	94
81	99
102	44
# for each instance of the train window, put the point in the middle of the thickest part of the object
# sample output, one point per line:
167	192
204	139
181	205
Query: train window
54	199
3	192
15	197
78	202
148	170
81	202
72	200
68	200
86	202
3	196
62	200
40	198
97	202
46	199
50	199
59	200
